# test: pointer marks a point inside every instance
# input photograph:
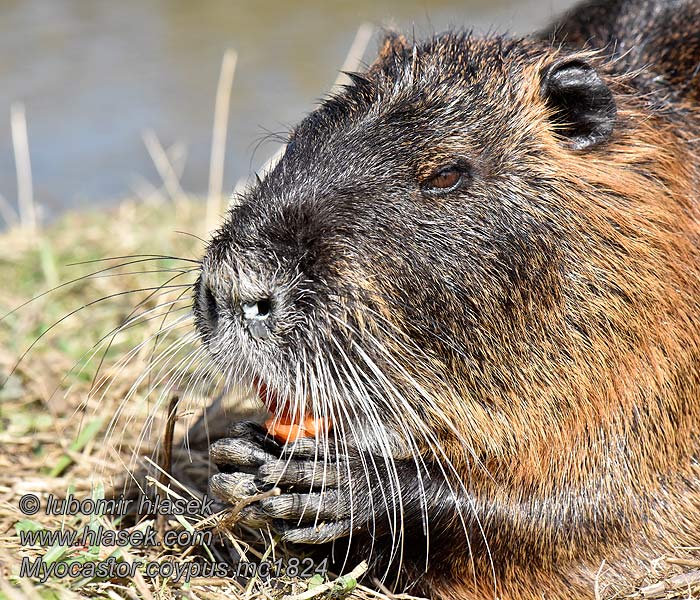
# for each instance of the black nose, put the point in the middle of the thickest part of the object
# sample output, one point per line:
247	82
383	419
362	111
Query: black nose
257	317
250	305
258	310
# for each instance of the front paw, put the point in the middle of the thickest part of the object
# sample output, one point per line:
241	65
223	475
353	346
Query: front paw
314	504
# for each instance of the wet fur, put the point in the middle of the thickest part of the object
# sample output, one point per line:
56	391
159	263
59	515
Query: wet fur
518	360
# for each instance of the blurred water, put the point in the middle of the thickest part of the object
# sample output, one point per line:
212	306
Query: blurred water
94	74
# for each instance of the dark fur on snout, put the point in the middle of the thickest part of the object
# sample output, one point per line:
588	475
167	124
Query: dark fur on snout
482	262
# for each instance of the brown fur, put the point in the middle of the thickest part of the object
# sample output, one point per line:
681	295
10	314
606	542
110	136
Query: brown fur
567	393
646	182
635	378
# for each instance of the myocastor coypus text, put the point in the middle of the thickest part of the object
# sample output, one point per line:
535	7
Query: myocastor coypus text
478	268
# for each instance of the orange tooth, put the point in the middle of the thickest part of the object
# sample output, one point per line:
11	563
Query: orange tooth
285	430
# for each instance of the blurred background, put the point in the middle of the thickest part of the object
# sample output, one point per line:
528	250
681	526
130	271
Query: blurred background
94	76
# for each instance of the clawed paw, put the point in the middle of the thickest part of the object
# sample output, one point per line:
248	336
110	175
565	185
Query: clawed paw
314	505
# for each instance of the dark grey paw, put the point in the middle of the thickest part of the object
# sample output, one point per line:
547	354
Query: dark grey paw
314	505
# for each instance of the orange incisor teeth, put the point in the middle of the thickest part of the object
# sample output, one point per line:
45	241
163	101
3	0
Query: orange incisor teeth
285	429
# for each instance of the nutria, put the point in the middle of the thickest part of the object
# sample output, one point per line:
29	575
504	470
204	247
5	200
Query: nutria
479	267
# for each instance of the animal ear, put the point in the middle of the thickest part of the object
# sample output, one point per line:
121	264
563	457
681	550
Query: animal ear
584	105
391	50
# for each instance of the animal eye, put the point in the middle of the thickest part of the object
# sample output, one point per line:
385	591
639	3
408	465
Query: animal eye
446	179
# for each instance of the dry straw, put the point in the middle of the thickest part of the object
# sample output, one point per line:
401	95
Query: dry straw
218	138
23	166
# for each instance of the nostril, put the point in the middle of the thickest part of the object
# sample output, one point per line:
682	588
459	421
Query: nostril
258	311
264	307
211	306
256	316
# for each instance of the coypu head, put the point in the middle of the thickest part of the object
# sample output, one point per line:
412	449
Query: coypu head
477	253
